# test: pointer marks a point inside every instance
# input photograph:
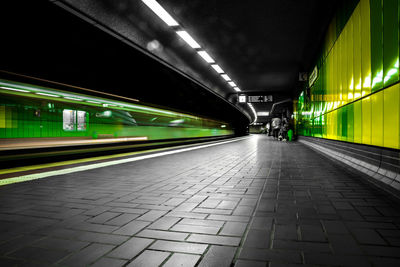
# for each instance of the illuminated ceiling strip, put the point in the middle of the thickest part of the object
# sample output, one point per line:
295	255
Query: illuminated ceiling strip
237	89
45	94
160	12
35	176
14	89
73	98
232	84
226	77
188	39
217	68
207	58
93	102
170	21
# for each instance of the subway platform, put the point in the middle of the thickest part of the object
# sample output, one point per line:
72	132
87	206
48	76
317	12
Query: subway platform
252	201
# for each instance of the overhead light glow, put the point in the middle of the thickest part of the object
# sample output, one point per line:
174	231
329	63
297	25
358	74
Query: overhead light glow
226	77
242	99
14	89
217	68
45	94
232	84
188	39
263	113
206	56
73	98
160	12
254	112
93	102
237	89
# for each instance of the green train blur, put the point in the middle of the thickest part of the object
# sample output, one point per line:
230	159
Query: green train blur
28	111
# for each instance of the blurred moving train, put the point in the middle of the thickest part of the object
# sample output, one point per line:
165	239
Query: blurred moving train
35	116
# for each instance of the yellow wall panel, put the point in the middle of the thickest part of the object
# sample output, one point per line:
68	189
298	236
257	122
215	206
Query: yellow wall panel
377	119
357	52
391	118
366	120
365	47
350	58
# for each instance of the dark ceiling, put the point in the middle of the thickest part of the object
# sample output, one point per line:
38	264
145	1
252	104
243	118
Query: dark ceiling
261	44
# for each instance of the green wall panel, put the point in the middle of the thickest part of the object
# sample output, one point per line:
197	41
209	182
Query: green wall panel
377	44
390	41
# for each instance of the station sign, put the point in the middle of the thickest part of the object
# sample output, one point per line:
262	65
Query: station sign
313	76
259	98
242	99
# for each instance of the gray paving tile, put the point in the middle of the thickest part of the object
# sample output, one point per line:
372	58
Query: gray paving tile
182	247
234	229
163	235
39	254
108	262
151	216
131	228
248	263
260	254
164	223
218	256
336	260
130	248
60	244
87	255
217	240
182	260
149	259
121	219
258	239
195	229
368	236
199	222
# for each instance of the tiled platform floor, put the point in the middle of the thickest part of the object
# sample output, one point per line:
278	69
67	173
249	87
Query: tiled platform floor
256	202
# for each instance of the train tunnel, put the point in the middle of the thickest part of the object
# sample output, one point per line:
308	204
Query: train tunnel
200	133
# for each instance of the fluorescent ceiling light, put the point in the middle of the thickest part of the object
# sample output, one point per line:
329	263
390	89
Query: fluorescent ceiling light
226	77
232	84
73	98
14	89
94	102
160	12
217	68
206	56
45	94
237	89
263	113
188	39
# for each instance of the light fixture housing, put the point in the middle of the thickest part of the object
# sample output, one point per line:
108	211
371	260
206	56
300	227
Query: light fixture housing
232	84
46	94
226	77
217	68
207	58
188	39
14	89
161	12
